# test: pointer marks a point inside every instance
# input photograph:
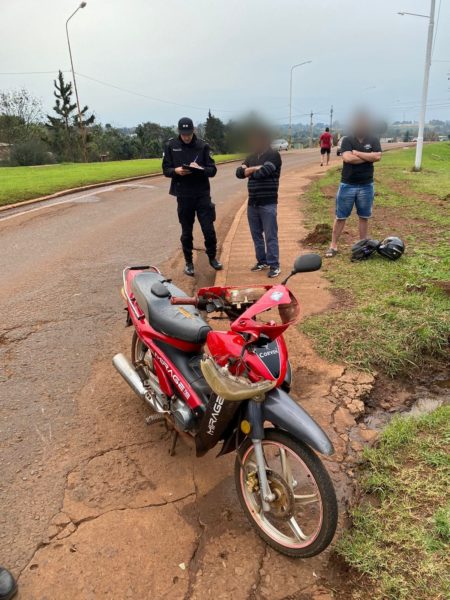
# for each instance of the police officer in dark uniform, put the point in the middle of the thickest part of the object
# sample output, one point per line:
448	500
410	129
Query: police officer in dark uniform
192	190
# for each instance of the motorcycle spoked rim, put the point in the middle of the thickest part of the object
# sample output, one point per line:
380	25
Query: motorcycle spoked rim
269	529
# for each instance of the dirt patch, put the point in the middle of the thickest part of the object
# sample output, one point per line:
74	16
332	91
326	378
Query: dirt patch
329	191
342	299
149	538
443	285
320	235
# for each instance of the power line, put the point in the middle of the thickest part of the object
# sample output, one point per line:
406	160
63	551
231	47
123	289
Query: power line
36	72
117	87
154	99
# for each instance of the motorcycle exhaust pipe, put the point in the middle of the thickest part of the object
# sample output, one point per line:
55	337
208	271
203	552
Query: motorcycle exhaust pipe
128	372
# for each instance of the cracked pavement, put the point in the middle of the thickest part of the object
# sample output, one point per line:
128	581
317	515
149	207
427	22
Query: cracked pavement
92	504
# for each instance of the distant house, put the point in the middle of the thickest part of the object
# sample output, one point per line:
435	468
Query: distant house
5	150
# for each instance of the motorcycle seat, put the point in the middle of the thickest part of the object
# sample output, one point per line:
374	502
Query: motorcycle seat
179	322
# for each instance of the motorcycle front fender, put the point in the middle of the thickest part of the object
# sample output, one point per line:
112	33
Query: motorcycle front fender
283	412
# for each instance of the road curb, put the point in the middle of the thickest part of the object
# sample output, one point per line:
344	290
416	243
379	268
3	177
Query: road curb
221	276
91	186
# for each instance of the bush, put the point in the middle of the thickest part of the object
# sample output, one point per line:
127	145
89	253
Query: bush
31	152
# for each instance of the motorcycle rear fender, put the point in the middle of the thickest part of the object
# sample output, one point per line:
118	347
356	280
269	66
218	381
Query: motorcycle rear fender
281	410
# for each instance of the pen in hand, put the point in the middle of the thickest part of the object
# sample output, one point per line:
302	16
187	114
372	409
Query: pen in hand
195	164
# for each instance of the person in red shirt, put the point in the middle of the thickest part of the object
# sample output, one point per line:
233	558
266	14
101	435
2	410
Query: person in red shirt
326	141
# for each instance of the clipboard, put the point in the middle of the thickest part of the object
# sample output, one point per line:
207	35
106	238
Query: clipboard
193	169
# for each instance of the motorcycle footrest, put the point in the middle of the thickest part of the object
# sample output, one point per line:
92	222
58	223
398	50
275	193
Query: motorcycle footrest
153	419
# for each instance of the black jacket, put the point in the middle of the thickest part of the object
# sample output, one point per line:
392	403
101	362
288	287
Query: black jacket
176	154
263	184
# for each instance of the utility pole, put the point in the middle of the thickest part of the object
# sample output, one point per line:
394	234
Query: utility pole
290	99
331	118
311	129
426	77
80	118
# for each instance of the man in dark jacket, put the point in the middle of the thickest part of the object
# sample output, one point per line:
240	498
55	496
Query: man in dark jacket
262	168
188	162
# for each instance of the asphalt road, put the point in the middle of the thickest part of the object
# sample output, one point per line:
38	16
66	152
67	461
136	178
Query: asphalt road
61	322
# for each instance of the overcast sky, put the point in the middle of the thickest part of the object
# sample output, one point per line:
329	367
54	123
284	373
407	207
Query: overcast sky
229	55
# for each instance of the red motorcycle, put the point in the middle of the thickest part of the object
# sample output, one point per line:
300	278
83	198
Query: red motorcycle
233	387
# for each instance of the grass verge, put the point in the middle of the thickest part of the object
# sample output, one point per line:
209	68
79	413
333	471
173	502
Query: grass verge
401	532
24	183
389	316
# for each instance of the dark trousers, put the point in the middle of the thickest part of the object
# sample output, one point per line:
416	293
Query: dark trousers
206	215
263	225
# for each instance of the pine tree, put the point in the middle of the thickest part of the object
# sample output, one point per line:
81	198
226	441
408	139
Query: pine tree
215	133
65	129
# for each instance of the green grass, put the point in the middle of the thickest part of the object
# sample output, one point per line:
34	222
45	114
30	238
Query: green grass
434	178
23	183
400	538
396	316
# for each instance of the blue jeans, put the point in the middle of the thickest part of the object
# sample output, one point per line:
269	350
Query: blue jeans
263	225
350	195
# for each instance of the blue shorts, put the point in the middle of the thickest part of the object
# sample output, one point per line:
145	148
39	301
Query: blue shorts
359	195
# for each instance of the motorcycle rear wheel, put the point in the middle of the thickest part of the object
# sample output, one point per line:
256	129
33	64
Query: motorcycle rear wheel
141	354
138	349
303	519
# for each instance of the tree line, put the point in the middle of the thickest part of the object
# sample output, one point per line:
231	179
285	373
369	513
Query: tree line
33	138
28	137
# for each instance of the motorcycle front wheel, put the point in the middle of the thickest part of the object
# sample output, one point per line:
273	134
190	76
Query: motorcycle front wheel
303	516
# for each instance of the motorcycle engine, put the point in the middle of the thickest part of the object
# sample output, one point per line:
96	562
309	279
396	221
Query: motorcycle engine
182	414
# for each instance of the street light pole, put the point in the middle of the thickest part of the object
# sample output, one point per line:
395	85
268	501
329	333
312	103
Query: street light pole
426	77
80	118
290	99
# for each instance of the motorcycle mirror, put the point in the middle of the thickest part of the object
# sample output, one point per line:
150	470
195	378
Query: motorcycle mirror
305	264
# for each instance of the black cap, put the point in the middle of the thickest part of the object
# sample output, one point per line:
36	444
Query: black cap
185	125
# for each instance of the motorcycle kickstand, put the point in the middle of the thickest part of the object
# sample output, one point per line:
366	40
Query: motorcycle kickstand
174	442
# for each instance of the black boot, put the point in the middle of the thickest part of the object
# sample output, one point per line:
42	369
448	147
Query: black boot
8	585
188	270
218	266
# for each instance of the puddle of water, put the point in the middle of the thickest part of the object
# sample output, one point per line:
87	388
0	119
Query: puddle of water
423	406
378	420
425	399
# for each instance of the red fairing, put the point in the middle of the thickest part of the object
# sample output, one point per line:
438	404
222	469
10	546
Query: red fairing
278	296
225	345
261	369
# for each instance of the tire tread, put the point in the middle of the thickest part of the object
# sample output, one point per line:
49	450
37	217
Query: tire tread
326	489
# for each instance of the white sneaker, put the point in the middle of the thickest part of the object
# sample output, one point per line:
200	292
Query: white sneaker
274	272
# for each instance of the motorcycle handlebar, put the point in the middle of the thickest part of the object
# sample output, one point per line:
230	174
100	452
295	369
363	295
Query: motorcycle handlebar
184	300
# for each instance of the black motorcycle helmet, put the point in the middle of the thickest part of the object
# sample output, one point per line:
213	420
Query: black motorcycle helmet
364	249
391	247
